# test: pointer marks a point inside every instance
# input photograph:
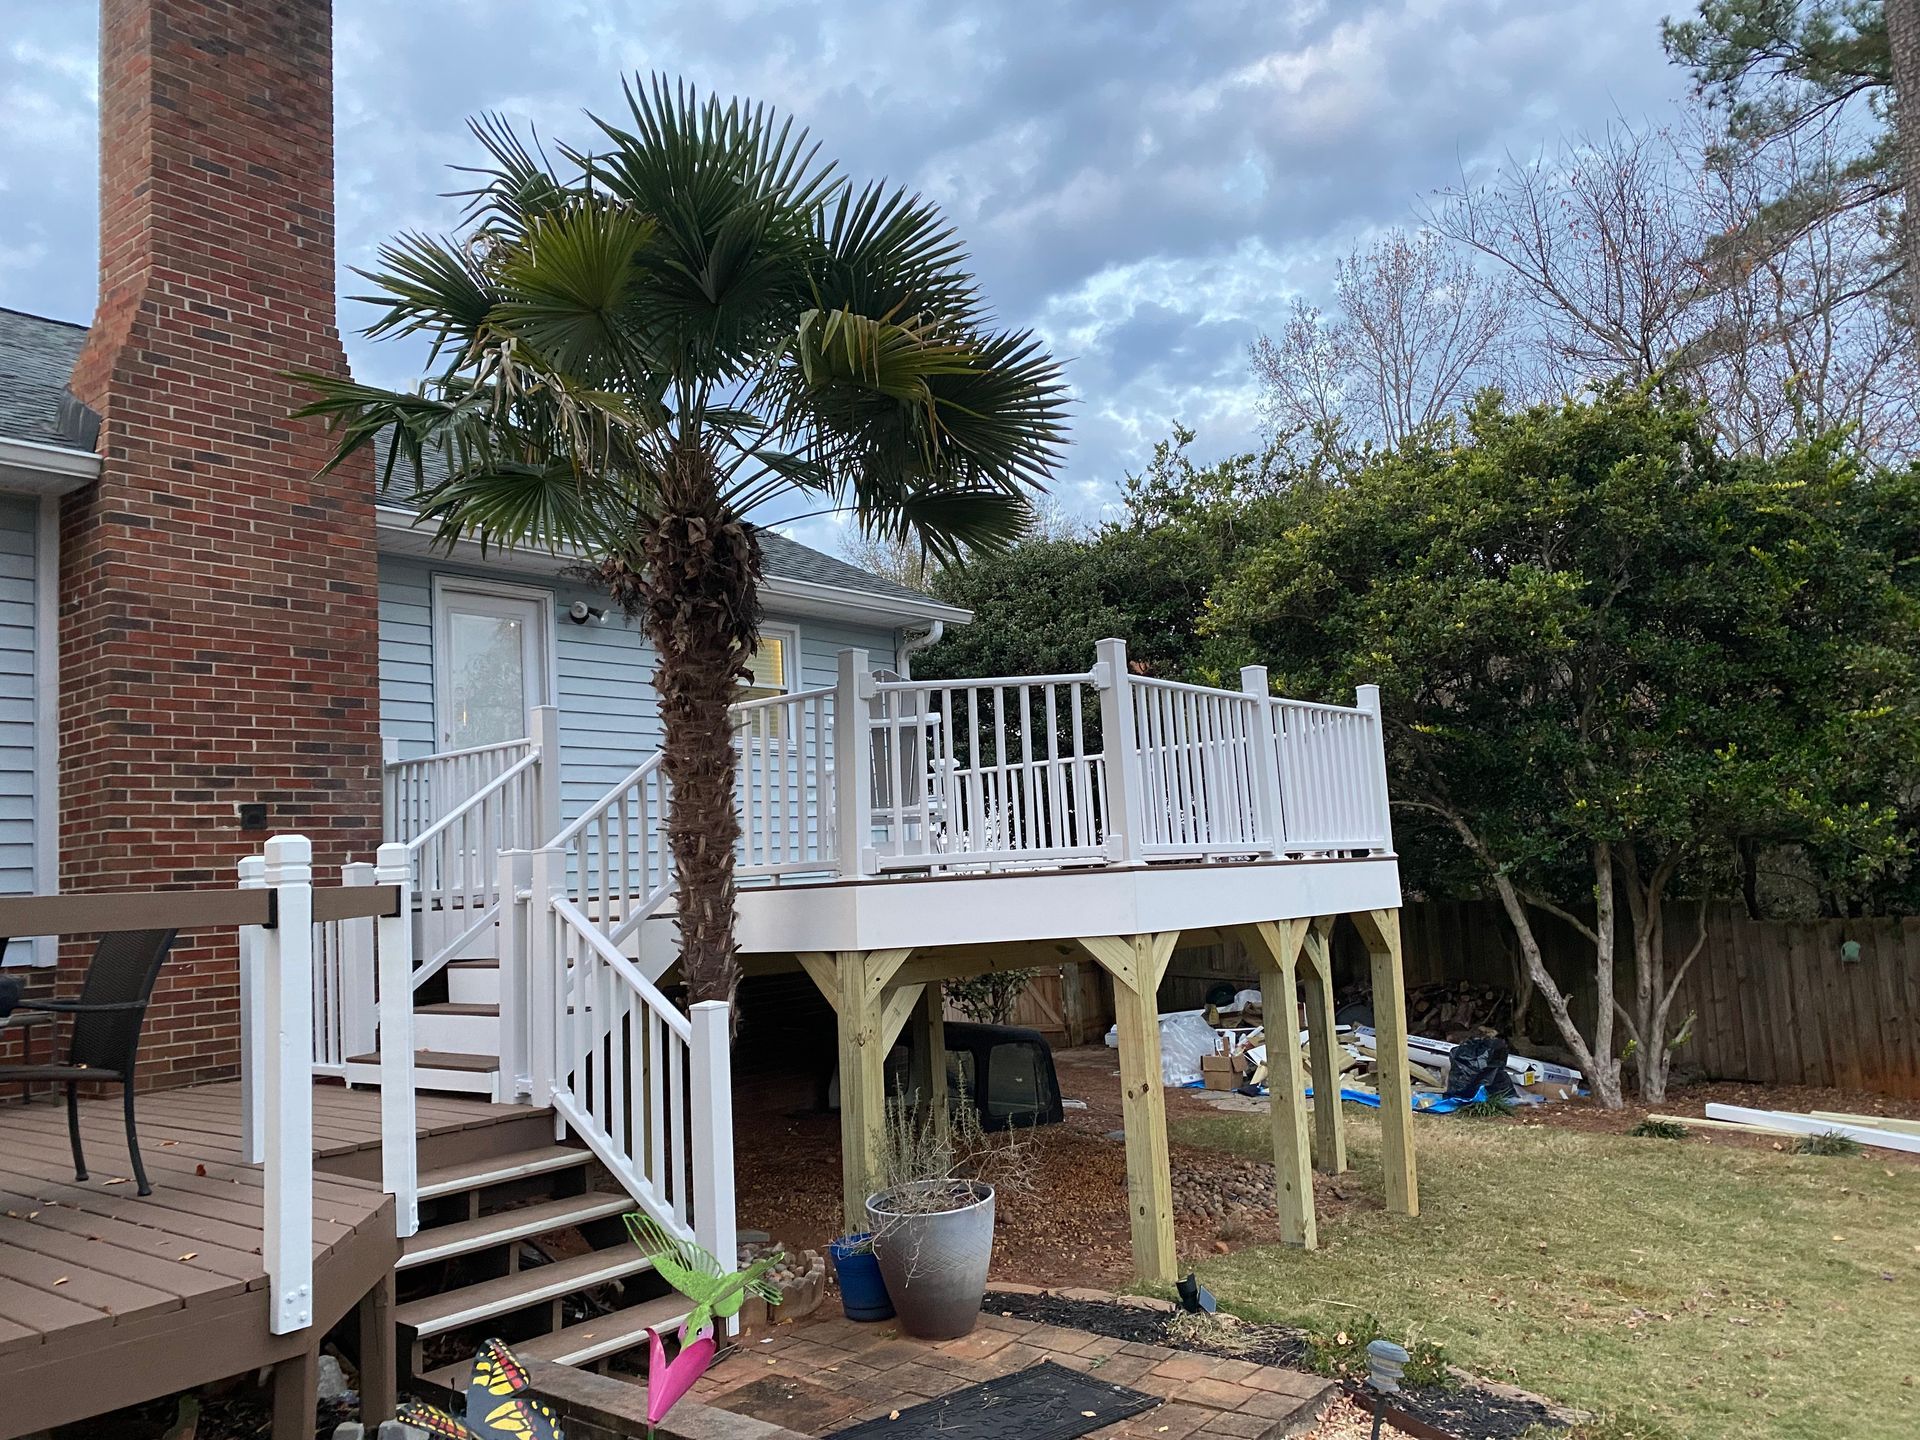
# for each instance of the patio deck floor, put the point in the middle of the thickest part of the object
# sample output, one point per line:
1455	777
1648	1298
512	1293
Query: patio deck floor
822	1375
108	1298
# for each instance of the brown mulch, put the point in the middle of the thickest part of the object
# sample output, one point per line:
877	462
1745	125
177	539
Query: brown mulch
1071	1228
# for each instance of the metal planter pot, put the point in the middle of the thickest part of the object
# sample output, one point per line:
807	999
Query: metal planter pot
935	1264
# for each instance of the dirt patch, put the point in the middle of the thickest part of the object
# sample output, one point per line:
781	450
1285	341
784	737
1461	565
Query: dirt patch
1072	1228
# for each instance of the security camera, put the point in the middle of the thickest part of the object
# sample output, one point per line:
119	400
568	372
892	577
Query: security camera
580	612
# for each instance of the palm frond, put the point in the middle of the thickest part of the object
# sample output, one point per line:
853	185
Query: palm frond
431	286
565	292
888	254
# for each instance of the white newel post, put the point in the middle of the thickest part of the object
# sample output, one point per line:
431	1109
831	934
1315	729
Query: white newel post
543	725
546	981
287	966
853	766
1269	805
1122	752
253	1026
711	1124
516	887
389	788
356	971
1367	698
399	1164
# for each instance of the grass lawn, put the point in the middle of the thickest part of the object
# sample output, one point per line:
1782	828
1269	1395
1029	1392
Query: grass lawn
1725	1292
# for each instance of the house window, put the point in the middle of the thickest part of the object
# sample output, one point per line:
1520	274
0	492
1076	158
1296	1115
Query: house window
772	664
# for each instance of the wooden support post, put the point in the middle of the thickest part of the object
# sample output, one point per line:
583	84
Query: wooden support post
379	1375
930	1042
1329	1125
1381	931
859	981
296	1394
1277	943
1136	963
1073	1016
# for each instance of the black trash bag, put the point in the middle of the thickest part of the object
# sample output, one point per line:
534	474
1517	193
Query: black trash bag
1480	1061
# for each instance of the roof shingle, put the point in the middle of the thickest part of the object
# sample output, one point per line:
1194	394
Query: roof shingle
36	358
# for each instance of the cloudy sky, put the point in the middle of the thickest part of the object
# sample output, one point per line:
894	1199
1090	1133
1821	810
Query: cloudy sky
1147	184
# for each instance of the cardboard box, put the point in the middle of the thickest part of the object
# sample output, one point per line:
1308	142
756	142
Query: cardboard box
1219	1072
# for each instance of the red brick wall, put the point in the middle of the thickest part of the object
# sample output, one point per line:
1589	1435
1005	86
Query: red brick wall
218	624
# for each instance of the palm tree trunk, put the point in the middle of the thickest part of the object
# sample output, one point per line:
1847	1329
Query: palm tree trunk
702	606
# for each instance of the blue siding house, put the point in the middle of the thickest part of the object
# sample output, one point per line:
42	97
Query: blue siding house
468	643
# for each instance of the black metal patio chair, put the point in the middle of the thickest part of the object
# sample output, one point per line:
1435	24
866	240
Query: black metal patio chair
107	1020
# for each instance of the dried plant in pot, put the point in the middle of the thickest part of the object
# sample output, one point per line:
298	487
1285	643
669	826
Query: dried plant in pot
933	1215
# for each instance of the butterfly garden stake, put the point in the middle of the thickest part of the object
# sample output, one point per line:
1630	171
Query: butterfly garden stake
497	1406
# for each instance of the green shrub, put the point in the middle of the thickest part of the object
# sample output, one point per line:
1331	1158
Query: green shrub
1828	1142
1342	1354
1651	1129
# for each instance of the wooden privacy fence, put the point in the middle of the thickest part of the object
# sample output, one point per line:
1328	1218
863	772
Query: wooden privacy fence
1774	1001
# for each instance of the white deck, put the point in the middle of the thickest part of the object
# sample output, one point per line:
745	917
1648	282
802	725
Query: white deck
919	912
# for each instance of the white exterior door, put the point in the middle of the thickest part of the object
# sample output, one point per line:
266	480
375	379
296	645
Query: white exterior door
489	661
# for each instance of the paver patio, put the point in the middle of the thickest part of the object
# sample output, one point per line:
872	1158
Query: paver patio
819	1376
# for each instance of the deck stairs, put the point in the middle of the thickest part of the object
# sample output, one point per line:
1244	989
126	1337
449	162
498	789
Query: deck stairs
456	1031
523	1239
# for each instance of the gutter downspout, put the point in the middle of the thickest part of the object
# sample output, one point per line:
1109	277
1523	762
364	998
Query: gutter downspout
908	646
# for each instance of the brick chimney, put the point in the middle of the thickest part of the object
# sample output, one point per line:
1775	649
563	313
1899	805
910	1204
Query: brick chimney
218	622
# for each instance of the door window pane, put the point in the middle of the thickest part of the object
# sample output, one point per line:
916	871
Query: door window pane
488	679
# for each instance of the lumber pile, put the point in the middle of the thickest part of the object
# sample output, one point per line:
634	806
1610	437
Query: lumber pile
1877	1131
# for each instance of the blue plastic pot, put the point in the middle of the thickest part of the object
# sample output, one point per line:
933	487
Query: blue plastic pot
863	1293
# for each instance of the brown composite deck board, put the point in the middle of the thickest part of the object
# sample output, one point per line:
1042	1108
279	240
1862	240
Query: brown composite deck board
183	1281
105	1293
43	1311
338	1198
94	1282
235	1267
438	1060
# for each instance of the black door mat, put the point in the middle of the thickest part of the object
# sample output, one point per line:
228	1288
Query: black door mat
1045	1402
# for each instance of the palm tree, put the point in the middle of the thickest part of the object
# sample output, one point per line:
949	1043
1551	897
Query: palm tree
639	347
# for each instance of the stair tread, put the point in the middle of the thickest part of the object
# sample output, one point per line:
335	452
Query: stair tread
463	1238
473	1303
473	965
457	1007
588	1340
474	1174
438	1060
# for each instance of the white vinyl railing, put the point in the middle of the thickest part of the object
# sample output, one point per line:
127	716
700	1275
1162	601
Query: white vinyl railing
782	781
457	814
985	772
281	998
614	857
1333	780
416	794
647	1088
1196	752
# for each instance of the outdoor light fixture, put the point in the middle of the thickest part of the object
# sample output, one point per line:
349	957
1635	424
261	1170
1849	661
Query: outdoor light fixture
1849	952
580	612
1386	1362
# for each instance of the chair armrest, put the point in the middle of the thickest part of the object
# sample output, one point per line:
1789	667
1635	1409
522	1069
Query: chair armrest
75	1007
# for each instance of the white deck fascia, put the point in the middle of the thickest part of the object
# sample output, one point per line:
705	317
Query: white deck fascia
1038	905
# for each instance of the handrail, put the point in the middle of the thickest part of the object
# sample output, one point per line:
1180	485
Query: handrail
466	753
474	801
622	966
571	831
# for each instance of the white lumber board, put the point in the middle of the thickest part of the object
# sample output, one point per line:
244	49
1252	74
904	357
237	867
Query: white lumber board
1773	1132
1876	1122
1813	1125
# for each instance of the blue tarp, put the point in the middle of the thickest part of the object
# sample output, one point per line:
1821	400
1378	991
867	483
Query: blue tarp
1422	1103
